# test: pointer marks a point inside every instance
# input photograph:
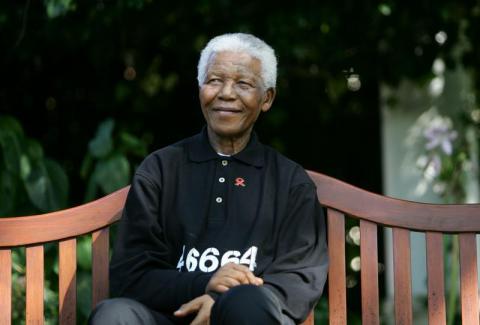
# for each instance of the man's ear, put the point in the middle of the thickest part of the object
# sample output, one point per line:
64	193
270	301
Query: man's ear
268	98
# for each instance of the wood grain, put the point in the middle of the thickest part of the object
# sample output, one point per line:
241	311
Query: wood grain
5	286
67	286
468	279
100	258
337	296
35	285
436	279
63	224
383	210
402	276
369	272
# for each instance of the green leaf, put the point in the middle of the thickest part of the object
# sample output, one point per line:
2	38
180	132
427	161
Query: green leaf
132	144
59	182
56	8
18	260
46	183
33	149
112	174
8	191
10	147
102	144
10	125
25	167
84	290
84	253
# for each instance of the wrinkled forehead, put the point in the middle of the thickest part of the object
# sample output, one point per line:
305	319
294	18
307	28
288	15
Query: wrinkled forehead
234	62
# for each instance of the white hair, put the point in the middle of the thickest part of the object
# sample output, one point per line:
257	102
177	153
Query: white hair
245	43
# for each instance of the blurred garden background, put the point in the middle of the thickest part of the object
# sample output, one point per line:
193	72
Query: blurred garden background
381	94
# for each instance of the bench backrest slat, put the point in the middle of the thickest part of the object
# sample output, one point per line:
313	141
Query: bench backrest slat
341	200
63	226
67	288
402	276
369	272
436	287
54	226
337	287
5	286
462	220
468	279
34	283
390	212
100	258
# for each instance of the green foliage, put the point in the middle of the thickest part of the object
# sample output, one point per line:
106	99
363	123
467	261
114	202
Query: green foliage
321	311
56	8
50	286
84	278
106	165
29	181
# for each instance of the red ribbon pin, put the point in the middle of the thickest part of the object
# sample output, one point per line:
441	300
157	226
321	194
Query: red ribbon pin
240	182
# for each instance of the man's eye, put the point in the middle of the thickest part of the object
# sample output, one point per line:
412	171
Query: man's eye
245	84
214	81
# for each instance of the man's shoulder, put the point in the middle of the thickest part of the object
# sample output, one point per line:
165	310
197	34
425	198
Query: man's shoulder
171	151
165	157
287	167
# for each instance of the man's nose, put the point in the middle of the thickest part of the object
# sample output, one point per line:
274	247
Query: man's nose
228	90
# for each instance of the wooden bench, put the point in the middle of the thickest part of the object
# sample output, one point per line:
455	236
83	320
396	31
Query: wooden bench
339	198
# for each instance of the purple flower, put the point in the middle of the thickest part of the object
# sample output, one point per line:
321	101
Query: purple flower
433	168
440	134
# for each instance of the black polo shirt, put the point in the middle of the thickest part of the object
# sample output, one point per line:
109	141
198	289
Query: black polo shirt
190	211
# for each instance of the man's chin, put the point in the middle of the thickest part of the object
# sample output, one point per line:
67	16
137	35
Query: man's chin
229	131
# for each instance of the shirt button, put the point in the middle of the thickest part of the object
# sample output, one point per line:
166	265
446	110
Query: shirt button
224	162
219	200
221	180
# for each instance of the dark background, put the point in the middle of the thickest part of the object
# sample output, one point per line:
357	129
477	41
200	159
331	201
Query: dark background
64	66
67	66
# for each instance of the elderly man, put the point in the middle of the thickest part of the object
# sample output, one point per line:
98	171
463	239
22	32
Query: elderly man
219	228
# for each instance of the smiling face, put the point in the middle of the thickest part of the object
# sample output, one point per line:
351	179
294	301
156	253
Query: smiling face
232	94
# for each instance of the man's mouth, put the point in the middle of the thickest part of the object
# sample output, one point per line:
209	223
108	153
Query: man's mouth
226	110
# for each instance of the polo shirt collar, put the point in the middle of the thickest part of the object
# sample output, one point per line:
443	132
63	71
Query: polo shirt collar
200	150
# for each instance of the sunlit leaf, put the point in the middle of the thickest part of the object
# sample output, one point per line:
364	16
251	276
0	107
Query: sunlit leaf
84	290
102	144
56	8
112	174
84	279
84	252
46	184
25	166
152	83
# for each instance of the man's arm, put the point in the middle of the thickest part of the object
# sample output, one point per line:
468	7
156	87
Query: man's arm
298	273
142	265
